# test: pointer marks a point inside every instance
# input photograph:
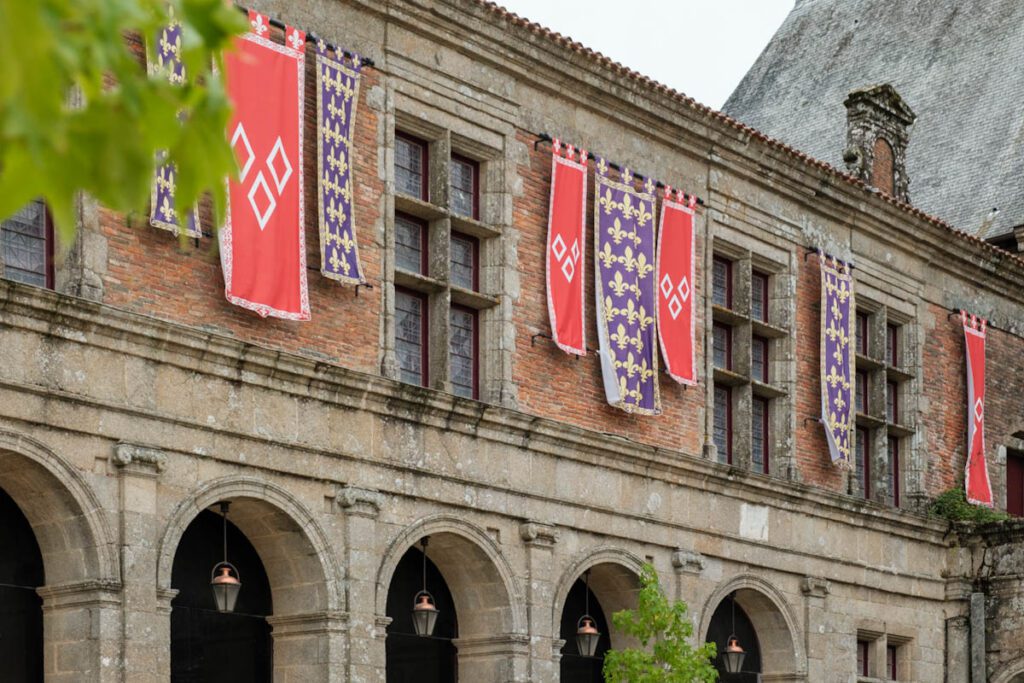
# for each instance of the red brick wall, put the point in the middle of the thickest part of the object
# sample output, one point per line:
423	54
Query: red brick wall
151	272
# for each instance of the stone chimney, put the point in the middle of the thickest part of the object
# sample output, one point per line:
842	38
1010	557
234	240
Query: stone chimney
877	131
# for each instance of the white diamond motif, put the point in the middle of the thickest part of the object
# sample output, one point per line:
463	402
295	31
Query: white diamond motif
575	251
684	288
278	150
674	307
568	269
558	247
666	285
261	218
240	133
979	410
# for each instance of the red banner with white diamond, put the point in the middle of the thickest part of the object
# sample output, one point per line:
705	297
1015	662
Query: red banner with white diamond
565	248
979	490
262	243
675	286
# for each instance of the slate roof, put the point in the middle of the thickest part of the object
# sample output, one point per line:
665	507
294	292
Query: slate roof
959	64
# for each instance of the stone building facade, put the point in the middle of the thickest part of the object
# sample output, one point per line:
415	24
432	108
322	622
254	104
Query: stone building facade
133	398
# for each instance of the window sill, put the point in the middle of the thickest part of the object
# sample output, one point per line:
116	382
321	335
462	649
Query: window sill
898	374
763	329
418	208
726	315
869	421
473	227
766	390
471	299
868	363
729	378
417	282
900	430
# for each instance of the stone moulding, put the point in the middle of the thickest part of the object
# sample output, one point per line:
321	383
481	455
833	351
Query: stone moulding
126	454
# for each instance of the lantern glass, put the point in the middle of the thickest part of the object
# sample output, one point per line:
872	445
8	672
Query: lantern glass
734	661
225	586
587	636
424	614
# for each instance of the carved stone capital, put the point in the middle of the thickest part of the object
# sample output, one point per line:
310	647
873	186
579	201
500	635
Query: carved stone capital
139	458
815	587
380	626
359	501
687	561
538	534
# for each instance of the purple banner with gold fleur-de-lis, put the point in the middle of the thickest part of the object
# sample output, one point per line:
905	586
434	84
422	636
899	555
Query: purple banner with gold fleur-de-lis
165	59
837	358
626	291
337	92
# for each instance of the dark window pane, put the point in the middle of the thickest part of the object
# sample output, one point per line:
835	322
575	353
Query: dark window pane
463	251
862	333
759	359
23	245
410	167
862	466
759	434
410	243
410	341
464	188
892	402
723	424
892	345
1015	483
721	283
722	346
890	661
759	296
462	351
862	658
893	474
861	388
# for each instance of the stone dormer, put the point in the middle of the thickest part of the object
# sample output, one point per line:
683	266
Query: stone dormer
877	131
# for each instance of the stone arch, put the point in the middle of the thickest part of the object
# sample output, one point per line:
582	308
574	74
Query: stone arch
614	580
774	620
1011	672
487	595
65	514
304	575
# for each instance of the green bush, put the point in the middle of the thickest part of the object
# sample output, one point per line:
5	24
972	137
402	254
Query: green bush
953	505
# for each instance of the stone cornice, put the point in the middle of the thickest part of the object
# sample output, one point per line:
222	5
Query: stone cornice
48	313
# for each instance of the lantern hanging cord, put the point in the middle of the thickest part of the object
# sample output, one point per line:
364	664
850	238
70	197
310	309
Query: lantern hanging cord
423	542
224	519
544	137
312	38
586	596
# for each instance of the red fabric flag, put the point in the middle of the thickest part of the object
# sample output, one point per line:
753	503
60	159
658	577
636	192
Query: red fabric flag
565	248
675	287
262	243
979	490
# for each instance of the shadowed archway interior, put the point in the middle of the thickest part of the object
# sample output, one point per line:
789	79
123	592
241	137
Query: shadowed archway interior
21	613
207	645
574	667
413	658
721	628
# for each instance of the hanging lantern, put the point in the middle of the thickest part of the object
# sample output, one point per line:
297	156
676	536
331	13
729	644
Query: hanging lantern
587	635
733	656
424	611
227	583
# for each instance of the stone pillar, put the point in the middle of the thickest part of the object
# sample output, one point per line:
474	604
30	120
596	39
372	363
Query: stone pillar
958	635
978	638
309	648
688	566
545	645
367	657
501	659
147	626
816	628
82	632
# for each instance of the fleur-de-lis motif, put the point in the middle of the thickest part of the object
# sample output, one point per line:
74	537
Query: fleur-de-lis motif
295	39
167	211
336	213
607	202
606	256
338	263
644	319
627	259
630	311
347	243
642	215
616	232
610	311
258	26
617	284
643	268
620	337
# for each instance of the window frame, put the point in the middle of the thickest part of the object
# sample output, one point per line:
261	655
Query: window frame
728	345
893	456
49	239
716	260
765	279
865	491
475	243
863	327
862	382
424	333
892	402
728	423
475	316
863	657
1015	471
755	341
424	226
765	423
891	660
425	163
892	344
455	157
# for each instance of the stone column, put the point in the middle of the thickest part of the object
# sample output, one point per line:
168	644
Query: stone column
688	565
147	627
367	658
309	648
82	632
545	647
958	634
816	628
501	658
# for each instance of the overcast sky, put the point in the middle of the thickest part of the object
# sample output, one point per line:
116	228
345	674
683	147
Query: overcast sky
699	47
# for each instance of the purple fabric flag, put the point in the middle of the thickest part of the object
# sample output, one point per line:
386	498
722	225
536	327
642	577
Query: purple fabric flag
163	213
337	91
626	295
837	359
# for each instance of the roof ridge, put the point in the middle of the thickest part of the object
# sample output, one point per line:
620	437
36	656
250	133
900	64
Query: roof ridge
608	62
